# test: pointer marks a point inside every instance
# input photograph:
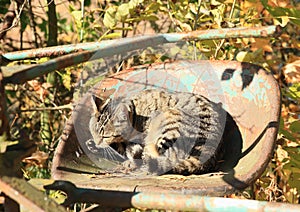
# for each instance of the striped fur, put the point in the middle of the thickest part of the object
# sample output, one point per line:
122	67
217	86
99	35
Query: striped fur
163	131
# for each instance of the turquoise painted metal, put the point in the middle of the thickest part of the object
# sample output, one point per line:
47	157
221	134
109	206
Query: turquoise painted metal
109	48
55	50
156	39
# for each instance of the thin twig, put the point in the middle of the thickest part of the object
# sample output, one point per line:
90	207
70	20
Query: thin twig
17	18
68	106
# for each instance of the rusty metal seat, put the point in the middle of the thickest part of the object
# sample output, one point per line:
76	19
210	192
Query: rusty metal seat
247	92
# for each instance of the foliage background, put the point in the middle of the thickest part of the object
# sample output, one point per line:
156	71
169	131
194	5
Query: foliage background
39	108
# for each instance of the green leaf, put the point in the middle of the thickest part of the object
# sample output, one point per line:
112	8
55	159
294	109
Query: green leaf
134	3
109	19
279	12
113	35
97	26
294	15
284	132
122	12
295	90
142	18
154	6
294	180
4	6
288	135
295	126
67	80
293	173
151	17
77	18
281	123
294	154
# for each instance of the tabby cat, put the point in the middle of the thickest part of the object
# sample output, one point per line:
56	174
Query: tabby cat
158	131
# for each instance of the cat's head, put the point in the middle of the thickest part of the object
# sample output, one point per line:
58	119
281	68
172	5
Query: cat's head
111	120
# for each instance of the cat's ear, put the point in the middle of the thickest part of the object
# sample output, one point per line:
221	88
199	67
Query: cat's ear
98	103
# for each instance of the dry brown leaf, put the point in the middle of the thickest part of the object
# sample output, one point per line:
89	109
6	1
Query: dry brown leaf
292	72
261	43
34	84
281	153
285	37
38	158
41	89
248	5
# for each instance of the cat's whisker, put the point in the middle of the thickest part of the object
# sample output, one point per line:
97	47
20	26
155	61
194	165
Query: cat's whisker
113	154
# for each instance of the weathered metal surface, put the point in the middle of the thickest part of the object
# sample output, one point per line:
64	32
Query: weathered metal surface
28	196
110	48
249	94
55	51
263	31
12	75
178	202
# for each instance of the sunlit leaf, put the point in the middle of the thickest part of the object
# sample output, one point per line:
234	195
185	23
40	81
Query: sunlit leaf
292	72
58	196
67	81
293	91
243	56
134	3
122	12
97	26
261	43
281	154
154	6
109	19
282	21
142	18
112	35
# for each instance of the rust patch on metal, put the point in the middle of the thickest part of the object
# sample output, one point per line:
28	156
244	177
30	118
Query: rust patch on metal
264	33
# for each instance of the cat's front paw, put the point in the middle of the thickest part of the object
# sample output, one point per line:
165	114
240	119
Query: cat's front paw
133	166
128	164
